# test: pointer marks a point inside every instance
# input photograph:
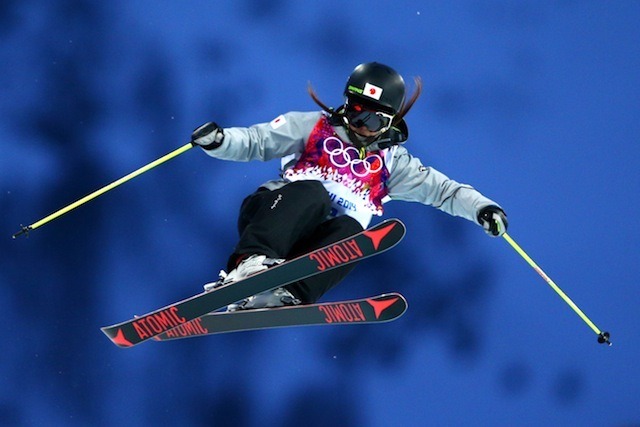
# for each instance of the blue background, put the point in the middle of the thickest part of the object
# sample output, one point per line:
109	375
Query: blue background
535	103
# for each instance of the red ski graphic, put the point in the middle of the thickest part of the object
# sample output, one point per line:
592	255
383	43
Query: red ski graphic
120	340
380	306
376	236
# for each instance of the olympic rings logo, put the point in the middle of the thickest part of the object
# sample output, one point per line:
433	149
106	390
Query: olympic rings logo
342	157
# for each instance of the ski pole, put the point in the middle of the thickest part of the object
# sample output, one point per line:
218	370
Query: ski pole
603	337
85	199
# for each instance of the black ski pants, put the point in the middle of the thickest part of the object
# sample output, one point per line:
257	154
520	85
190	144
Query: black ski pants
289	222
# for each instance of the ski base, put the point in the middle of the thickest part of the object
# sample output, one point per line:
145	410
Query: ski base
360	246
376	309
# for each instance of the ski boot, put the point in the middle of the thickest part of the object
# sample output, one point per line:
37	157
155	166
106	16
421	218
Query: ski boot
247	267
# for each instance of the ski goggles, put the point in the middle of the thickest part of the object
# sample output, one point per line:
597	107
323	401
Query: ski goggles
375	121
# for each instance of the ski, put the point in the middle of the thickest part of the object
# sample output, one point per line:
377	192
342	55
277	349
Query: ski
365	244
377	309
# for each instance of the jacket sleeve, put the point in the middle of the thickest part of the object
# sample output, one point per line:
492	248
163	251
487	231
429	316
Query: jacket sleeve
284	135
411	181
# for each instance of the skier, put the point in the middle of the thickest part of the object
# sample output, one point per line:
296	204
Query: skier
339	166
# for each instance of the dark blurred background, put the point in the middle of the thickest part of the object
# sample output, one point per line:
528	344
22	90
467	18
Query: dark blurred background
535	103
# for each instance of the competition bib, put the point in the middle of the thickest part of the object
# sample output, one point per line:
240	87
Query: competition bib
356	184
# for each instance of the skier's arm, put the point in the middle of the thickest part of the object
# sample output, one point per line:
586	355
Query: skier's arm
284	135
410	180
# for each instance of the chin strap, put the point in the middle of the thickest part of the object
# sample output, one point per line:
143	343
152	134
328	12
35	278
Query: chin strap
362	142
398	134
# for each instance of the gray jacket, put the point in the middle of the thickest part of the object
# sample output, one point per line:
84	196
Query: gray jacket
286	138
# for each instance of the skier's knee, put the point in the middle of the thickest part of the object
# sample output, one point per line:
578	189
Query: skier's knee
347	224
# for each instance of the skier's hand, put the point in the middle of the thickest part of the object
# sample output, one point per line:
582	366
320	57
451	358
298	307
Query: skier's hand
208	136
493	220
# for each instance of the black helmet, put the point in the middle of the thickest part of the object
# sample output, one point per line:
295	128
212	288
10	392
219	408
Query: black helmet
376	85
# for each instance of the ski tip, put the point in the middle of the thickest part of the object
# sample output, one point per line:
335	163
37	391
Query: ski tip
118	339
388	307
395	222
387	234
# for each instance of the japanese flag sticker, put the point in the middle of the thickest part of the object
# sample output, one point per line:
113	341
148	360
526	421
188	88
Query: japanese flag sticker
278	121
372	91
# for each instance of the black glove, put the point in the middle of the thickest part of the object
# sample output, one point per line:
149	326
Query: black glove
493	220
208	136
